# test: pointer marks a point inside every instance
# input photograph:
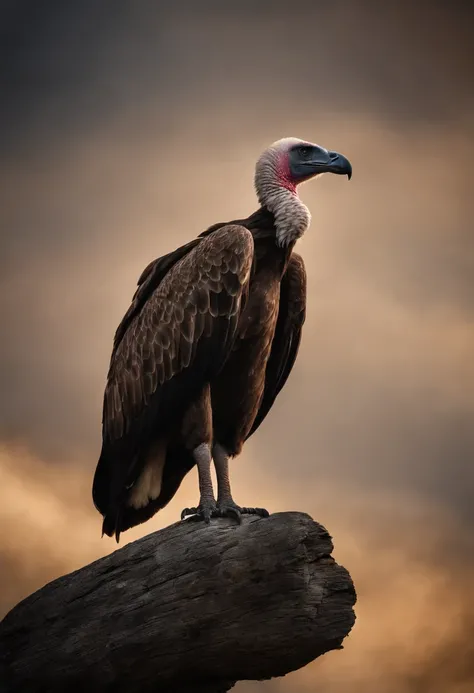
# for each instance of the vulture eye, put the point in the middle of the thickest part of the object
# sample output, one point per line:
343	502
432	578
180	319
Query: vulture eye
305	152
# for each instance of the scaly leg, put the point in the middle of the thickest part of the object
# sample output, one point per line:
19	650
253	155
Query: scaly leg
226	507
207	503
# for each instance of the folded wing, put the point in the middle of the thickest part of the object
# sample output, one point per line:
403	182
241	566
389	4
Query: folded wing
286	342
174	338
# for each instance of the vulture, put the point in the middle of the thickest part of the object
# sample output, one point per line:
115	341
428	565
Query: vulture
207	344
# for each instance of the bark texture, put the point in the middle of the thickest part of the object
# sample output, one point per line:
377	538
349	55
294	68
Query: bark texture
191	608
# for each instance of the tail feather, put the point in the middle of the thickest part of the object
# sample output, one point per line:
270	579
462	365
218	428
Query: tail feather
119	516
111	526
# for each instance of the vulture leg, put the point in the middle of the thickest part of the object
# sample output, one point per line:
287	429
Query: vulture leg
207	507
226	506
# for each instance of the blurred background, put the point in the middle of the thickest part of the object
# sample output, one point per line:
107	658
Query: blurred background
129	127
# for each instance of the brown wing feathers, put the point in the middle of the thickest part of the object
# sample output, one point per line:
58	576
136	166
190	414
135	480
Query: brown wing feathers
286	342
174	338
149	279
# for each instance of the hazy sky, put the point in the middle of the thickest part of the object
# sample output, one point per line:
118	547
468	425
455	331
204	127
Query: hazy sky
128	128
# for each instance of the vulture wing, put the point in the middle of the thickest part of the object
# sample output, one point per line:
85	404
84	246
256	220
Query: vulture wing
174	338
148	281
286	342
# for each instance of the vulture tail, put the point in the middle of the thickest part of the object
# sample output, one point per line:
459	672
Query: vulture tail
119	516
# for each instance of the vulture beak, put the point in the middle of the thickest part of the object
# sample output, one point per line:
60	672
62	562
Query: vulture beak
325	161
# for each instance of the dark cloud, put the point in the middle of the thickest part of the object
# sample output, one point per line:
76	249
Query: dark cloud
130	127
75	66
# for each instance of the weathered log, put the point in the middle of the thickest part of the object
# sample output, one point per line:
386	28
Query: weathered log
189	608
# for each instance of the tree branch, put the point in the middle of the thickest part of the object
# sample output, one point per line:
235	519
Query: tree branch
189	608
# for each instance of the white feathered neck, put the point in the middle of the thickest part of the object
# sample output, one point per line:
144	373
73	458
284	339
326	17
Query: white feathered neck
277	193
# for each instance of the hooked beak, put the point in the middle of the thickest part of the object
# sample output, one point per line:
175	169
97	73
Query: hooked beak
325	161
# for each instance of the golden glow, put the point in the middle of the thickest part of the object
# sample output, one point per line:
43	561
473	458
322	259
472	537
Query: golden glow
373	433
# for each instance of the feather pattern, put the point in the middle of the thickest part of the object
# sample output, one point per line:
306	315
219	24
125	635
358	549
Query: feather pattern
174	338
286	342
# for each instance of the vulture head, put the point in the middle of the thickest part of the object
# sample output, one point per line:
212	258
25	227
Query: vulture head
291	161
284	165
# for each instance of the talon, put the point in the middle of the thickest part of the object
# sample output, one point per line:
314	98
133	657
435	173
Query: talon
235	513
203	512
231	510
260	512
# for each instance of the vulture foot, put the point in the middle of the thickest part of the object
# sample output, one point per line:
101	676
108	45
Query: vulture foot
261	512
230	509
205	512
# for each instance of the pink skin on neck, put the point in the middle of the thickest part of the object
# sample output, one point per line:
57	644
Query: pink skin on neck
284	177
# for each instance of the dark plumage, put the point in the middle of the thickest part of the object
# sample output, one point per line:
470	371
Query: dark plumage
207	344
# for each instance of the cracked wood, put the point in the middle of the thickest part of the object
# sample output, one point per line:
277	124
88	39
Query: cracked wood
188	608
